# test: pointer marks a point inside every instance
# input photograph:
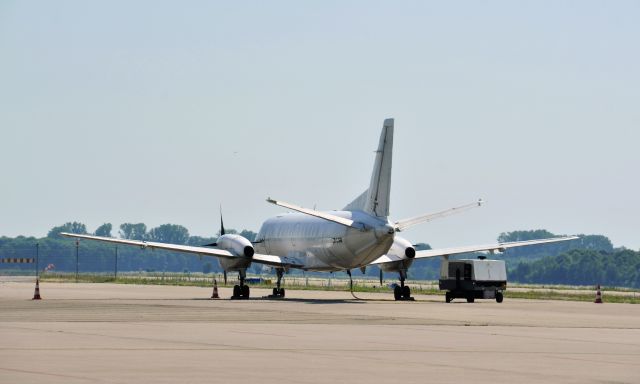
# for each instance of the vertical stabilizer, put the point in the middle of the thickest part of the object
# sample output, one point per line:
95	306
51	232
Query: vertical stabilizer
375	200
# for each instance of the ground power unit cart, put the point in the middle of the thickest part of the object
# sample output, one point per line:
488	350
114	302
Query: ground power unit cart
473	279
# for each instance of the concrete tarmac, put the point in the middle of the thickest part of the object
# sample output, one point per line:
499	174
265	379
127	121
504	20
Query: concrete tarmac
107	333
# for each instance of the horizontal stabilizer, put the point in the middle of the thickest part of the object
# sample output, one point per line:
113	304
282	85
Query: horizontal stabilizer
401	225
312	212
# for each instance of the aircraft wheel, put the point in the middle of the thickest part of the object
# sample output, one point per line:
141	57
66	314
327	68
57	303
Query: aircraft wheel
275	291
447	297
281	292
471	299
397	292
236	291
406	292
499	297
245	291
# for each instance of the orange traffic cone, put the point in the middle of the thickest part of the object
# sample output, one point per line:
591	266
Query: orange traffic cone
36	294
215	290
598	295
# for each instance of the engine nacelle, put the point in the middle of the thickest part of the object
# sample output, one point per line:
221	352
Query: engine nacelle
403	252
236	244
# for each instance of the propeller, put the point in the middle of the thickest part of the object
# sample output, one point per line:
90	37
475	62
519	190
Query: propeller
221	222
221	230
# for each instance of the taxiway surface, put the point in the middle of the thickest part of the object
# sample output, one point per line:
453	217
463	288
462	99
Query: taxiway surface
82	333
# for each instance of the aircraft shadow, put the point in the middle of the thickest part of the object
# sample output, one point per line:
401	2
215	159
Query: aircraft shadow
291	300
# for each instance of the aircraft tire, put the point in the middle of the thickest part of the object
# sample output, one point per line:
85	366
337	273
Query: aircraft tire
499	297
406	292
471	299
275	292
236	291
245	291
281	292
397	293
447	297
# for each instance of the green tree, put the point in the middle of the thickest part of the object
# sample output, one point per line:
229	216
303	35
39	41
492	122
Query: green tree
421	246
533	252
169	233
595	242
524	235
227	231
249	235
71	227
200	241
104	230
133	231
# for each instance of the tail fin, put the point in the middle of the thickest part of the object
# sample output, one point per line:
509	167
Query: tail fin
375	200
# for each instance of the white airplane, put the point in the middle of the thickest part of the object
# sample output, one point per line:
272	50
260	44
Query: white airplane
357	236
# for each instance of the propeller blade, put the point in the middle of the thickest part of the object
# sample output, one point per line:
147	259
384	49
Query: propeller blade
221	222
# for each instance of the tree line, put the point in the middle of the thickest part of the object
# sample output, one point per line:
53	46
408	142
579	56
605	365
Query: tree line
165	233
619	268
60	253
590	260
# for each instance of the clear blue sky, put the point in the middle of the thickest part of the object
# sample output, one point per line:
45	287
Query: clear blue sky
157	112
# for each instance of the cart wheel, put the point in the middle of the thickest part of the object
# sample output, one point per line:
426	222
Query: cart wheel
471	299
447	297
499	297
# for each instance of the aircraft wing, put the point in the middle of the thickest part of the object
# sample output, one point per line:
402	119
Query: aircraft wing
272	260
500	247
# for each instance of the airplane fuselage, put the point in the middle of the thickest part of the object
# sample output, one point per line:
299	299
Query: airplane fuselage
321	245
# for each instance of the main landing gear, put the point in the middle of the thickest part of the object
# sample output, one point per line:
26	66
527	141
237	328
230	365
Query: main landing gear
278	293
241	292
402	292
